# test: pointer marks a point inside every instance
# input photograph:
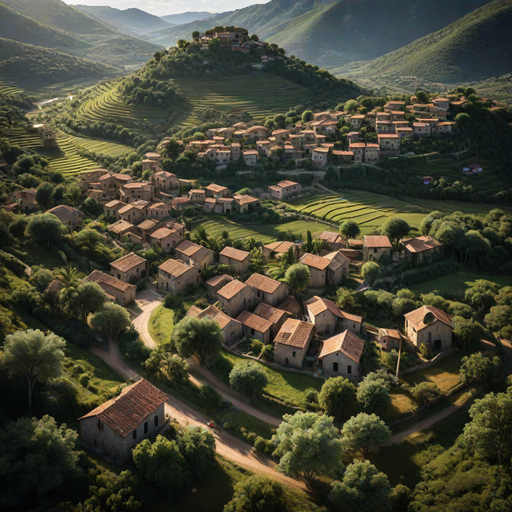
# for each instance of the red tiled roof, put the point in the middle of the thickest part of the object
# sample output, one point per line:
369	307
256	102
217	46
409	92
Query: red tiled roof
270	313
104	279
213	313
347	343
417	317
127	262
234	254
311	260
295	333
126	412
375	242
254	321
175	268
318	304
263	283
216	280
231	289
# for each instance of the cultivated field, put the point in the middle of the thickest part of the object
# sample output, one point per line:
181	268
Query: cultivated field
260	232
369	210
8	90
260	94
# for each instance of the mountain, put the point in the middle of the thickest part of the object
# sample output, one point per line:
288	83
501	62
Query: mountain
186	17
35	66
52	23
334	32
474	48
129	21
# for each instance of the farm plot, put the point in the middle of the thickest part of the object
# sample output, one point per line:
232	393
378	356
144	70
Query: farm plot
100	147
260	94
260	232
8	90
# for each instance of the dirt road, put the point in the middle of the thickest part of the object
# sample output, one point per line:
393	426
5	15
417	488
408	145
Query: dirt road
227	445
147	301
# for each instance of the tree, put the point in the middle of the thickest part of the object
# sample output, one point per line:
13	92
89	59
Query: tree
195	34
173	367
425	391
396	229
363	488
349	229
162	463
365	433
370	271
46	228
172	149
115	493
89	240
422	97
350	106
37	456
41	279
400	498
338	397
111	321
490	431
466	330
499	317
297	278
34	357
479	368
88	298
69	276
346	299
256	261
257	494
373	396
44	194
73	195
197	337
248	377
307	115
197	446
308	445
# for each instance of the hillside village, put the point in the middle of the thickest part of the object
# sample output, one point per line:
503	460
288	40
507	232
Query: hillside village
217	300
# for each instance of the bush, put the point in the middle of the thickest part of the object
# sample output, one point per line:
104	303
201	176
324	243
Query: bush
267	353
84	379
135	350
260	444
311	396
251	437
256	346
425	351
208	397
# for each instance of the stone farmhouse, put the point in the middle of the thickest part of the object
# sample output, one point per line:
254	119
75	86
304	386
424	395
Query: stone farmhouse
341	356
267	289
275	250
237	259
69	216
429	326
232	330
326	270
115	289
175	276
130	268
255	327
118	425
284	188
194	254
375	247
236	297
292	343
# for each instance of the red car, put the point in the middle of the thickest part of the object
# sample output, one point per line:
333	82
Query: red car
212	425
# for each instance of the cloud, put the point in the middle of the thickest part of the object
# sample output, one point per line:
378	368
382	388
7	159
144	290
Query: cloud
164	7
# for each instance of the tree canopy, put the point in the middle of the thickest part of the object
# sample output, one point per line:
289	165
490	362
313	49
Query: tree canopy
257	494
338	397
297	278
248	377
365	433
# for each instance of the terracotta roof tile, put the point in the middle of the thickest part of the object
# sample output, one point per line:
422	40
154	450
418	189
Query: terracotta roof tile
108	282
295	333
127	262
175	268
263	283
314	261
318	304
417	317
280	247
231	289
234	254
377	242
126	412
270	313
347	343
254	321
212	313
216	280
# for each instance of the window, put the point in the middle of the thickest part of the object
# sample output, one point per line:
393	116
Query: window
429	336
100	425
252	331
374	251
334	367
349	369
294	354
145	427
134	434
156	421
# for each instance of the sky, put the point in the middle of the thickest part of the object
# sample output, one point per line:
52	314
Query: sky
164	7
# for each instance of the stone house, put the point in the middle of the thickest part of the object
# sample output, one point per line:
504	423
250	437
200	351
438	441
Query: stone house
255	326
194	254
146	228
140	190
70	217
121	228
236	297
110	183
284	188
238	260
257	132
292	343
245	203
341	356
209	205
275	250
371	153
338	268
275	316
115	289
166	182
216	191
422	249
118	425
356	121
130	268
175	276
422	129
320	157
329	318
166	238
214	284
327	270
280	135
358	150
232	330
158	210
250	157
267	289
134	212
180	203
375	247
235	151
430	326
111	209
197	196
442	103
332	241
389	142
26	200
389	339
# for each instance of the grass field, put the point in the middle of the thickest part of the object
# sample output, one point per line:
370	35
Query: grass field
260	232
458	281
288	387
260	94
444	374
161	324
7	89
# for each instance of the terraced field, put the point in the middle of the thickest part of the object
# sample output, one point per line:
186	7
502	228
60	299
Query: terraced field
260	232
260	94
101	147
367	209
106	106
8	90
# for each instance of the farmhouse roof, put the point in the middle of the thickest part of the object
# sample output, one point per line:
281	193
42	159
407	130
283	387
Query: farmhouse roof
376	242
174	267
231	289
216	188
189	248
263	283
287	183
387	136
147	224
114	203
128	262
295	333
280	247
216	280
421	244
311	260
161	233
213	313
270	313
102	279
126	412
234	254
347	343
254	321
330	237
318	305
120	226
290	305
417	317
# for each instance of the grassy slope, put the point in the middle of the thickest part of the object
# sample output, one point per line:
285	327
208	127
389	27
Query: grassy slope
335	31
475	47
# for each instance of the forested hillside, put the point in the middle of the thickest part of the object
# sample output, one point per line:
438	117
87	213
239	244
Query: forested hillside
333	32
474	48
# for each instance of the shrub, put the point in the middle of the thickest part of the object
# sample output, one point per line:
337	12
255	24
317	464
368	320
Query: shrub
84	379
256	346
209	398
251	437
267	353
425	351
260	444
311	396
